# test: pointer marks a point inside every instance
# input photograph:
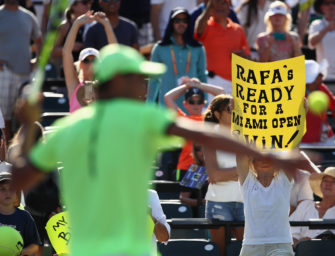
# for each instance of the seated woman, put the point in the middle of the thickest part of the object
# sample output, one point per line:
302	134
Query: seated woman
323	185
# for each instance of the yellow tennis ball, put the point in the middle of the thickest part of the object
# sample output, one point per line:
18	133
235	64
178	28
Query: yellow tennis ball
318	102
11	242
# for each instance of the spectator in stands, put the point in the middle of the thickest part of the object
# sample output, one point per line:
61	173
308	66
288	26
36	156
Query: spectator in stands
278	43
15	56
224	199
11	215
193	198
125	30
323	185
266	196
27	4
301	189
108	144
201	7
215	30
42	200
160	11
251	16
194	102
76	9
322	35
3	141
161	227
139	12
74	81
182	55
319	131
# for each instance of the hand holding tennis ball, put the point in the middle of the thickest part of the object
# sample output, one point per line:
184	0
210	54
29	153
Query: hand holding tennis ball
318	102
11	243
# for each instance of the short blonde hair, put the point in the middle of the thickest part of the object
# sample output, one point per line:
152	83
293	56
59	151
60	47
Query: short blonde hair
267	16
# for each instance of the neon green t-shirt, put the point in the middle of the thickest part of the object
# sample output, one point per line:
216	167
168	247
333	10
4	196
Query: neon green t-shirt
107	150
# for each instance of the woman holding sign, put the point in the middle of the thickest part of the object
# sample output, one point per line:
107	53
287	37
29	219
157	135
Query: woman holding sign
278	43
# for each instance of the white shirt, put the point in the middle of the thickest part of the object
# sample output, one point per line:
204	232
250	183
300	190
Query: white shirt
168	5
301	189
305	211
158	214
325	48
225	191
2	121
266	210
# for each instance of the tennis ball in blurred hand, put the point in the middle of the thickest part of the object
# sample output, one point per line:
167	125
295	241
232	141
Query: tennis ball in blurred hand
11	242
318	102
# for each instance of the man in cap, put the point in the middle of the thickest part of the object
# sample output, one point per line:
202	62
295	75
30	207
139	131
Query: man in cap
107	149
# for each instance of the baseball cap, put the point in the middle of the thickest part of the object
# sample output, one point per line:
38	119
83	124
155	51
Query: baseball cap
5	176
87	52
277	7
121	59
194	91
178	10
313	69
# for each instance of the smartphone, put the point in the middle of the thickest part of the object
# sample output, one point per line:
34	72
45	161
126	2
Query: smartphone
88	91
279	36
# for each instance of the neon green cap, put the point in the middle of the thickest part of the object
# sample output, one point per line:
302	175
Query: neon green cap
120	59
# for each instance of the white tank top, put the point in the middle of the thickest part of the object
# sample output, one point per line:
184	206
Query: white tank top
226	191
266	210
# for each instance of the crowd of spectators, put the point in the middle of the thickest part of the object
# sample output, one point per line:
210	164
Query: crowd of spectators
195	39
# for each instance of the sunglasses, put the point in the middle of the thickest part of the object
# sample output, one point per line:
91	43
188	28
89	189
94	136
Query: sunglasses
228	110
177	21
88	61
196	102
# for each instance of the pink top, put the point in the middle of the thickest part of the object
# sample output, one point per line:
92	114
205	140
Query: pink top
74	103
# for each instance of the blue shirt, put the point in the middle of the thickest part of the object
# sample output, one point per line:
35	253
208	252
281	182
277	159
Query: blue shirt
160	86
125	33
22	221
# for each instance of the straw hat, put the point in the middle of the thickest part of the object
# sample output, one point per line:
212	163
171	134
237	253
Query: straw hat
316	178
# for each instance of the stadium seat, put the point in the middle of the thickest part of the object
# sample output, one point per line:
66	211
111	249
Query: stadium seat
49	117
189	234
234	248
55	102
50	71
176	210
316	248
189	247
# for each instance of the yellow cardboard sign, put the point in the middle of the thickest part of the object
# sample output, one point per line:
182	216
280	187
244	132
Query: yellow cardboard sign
269	106
59	232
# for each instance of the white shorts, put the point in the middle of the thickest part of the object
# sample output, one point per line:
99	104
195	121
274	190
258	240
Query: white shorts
10	84
281	249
